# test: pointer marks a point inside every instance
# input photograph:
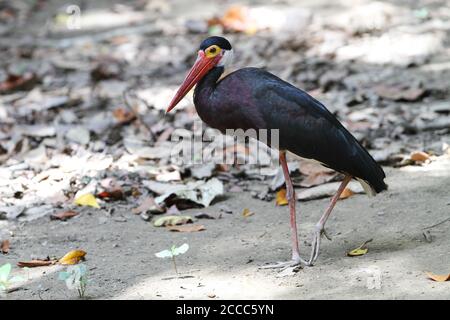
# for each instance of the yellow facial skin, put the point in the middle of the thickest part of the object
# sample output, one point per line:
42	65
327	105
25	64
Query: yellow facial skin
212	51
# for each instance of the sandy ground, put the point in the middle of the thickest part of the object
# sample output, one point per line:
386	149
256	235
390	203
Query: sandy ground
223	260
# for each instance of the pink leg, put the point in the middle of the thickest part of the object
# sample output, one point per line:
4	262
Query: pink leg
296	259
320	226
290	193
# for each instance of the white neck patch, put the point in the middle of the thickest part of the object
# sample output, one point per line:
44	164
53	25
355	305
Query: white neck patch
226	59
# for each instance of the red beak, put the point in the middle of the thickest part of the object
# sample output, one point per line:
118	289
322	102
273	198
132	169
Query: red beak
201	67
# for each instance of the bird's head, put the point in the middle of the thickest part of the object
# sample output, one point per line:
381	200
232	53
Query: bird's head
213	51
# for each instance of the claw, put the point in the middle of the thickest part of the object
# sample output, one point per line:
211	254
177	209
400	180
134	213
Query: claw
324	232
285	264
315	243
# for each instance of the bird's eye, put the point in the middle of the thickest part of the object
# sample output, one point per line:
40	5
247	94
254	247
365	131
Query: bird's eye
212	51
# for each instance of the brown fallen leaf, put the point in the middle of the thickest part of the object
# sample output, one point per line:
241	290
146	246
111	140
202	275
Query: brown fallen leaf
317	178
438	277
187	228
236	19
281	199
247	213
308	168
5	246
347	193
18	82
148	204
116	194
397	93
72	257
64	215
326	190
124	116
36	263
419	156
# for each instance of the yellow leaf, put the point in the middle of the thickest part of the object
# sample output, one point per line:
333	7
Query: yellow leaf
247	213
87	200
346	193
72	257
438	277
172	221
357	252
281	199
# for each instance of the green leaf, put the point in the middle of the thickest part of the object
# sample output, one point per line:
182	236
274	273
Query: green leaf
181	249
63	275
164	254
82	269
5	270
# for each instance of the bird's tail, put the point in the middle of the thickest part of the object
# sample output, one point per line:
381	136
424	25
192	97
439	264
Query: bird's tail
371	174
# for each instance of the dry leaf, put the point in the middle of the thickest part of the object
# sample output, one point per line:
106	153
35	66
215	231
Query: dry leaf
5	246
247	213
326	190
361	250
148	204
308	168
87	200
357	252
64	215
173	210
397	93
281	199
172	221
116	194
72	257
123	116
317	178
438	277
187	228
420	156
18	82
36	263
346	193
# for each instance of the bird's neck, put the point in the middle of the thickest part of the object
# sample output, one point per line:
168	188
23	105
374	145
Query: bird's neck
206	85
204	98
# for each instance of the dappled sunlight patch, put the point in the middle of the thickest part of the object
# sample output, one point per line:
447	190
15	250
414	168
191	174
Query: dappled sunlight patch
438	167
235	284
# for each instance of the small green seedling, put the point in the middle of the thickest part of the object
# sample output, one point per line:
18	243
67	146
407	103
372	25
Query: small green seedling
174	251
75	278
5	280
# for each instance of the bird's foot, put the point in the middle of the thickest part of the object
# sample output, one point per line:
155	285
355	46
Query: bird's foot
315	243
294	262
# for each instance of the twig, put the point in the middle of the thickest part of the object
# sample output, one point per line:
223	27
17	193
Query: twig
174	264
364	244
435	225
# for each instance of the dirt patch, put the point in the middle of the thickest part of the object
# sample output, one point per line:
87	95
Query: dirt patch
223	260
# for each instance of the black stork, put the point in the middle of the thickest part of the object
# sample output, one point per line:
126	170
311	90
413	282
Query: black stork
251	98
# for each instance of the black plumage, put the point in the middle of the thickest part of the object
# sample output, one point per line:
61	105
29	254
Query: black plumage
252	98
